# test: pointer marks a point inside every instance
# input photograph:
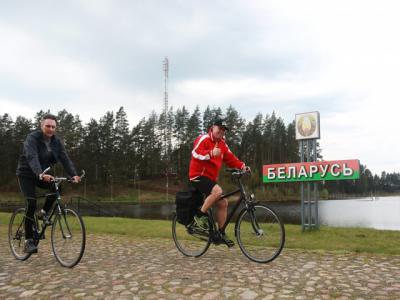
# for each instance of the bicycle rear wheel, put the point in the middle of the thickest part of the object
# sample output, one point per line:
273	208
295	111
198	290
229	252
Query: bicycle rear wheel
190	241
260	233
68	238
16	234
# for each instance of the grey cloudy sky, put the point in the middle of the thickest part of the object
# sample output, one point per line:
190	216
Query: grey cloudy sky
341	58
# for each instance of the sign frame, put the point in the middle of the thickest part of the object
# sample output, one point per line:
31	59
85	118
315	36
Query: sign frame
312	171
307	125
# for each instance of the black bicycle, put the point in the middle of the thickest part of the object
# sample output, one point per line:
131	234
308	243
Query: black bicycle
259	232
68	234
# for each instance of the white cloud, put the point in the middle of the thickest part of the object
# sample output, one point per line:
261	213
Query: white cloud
338	57
15	109
83	88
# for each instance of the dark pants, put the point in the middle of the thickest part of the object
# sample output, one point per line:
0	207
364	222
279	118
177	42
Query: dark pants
28	188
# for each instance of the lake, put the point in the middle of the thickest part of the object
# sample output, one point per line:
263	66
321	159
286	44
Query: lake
379	213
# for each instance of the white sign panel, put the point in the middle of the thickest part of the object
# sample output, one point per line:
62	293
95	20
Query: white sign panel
307	126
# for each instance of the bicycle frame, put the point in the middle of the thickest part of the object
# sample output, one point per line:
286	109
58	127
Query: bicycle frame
243	197
58	218
56	208
257	239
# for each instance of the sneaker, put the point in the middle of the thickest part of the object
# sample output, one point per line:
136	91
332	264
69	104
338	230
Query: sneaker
217	239
227	241
201	222
30	246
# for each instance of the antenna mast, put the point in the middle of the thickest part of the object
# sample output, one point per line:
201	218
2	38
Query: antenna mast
167	138
165	69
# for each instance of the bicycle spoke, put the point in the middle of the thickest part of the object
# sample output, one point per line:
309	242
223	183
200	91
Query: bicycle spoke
260	234
68	238
16	234
190	241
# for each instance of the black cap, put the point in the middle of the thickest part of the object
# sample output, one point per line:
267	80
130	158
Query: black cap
221	123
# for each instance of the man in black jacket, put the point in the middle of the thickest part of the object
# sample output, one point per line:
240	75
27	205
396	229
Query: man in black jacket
42	149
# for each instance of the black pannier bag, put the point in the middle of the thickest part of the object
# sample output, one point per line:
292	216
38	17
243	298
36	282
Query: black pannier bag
187	202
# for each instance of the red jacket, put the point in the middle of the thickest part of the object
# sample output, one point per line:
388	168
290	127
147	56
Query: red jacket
204	164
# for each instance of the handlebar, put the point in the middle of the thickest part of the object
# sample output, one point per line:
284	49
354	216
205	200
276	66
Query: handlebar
60	179
238	172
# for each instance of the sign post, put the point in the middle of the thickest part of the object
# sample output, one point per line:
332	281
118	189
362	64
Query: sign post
307	133
310	173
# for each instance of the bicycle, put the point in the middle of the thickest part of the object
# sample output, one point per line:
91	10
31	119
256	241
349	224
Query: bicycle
68	234
259	232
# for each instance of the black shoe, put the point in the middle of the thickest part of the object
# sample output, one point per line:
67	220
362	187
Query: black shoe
201	222
30	246
226	240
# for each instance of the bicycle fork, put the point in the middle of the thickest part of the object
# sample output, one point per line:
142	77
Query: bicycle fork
62	214
254	223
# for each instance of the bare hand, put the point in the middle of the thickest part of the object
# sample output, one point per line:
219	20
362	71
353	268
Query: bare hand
246	169
76	179
47	178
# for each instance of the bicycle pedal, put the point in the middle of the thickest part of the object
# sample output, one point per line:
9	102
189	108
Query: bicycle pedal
47	222
218	242
229	245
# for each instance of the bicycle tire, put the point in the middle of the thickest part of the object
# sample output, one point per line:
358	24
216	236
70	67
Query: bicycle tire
260	233
68	227
16	234
189	242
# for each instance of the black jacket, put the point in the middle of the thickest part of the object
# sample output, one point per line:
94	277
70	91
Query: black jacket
35	158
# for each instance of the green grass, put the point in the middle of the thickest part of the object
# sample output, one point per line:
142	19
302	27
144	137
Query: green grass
11	197
325	239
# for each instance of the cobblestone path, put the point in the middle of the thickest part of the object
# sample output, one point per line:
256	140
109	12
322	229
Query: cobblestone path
127	268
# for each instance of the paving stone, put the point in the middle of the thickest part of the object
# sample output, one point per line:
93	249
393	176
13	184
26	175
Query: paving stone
248	295
120	267
28	293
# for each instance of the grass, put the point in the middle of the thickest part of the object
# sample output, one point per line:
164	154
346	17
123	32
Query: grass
13	197
358	240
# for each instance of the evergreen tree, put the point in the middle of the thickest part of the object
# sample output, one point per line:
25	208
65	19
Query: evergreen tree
122	146
237	126
6	148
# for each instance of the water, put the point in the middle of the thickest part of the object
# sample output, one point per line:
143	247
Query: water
379	213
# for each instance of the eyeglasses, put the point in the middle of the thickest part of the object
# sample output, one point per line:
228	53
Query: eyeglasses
50	126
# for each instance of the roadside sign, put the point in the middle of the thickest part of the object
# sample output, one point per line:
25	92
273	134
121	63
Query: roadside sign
312	171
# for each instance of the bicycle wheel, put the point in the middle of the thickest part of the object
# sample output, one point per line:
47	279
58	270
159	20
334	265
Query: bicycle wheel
260	233
68	238
190	241
16	234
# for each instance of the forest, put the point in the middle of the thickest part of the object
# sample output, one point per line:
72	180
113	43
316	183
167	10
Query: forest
159	146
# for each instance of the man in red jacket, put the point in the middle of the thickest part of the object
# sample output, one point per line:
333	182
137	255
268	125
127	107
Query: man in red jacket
209	151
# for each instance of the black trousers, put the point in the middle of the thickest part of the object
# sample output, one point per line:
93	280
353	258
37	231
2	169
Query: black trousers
28	188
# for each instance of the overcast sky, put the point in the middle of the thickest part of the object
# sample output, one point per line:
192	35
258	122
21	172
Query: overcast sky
341	58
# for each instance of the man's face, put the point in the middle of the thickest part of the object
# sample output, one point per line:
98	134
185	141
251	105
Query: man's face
48	127
218	132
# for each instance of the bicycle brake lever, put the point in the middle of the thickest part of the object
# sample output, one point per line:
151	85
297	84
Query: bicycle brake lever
45	171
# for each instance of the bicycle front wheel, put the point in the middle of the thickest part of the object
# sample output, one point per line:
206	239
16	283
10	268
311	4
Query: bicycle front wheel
260	233
68	238
16	234
190	241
